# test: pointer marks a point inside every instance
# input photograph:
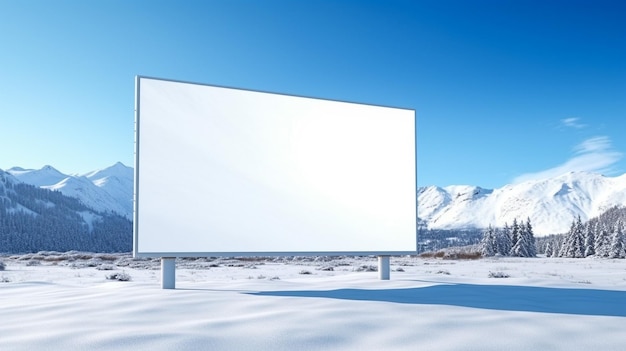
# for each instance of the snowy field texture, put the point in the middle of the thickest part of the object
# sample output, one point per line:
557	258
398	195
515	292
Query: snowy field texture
78	301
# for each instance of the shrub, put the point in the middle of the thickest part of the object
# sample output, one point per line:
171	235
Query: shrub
106	267
119	276
467	256
498	275
304	271
2	266
327	269
367	268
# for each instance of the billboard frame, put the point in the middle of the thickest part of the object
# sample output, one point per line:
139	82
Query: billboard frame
173	254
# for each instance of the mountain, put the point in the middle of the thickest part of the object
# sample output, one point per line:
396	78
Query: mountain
108	189
551	204
35	218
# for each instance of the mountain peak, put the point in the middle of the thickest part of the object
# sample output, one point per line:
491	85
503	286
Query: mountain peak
46	175
116	170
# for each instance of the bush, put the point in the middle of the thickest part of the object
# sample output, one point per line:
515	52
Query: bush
304	271
465	256
119	276
498	275
327	269
367	268
106	267
2	266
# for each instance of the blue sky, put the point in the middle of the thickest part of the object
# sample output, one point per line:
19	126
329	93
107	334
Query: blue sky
504	91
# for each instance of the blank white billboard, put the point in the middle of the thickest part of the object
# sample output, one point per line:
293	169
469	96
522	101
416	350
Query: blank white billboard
223	171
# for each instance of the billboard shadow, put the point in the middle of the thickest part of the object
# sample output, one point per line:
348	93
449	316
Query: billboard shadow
592	302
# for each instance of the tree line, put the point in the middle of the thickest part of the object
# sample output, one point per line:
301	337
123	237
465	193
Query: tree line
516	240
602	236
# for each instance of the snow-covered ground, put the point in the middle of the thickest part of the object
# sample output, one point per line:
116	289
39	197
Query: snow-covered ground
66	302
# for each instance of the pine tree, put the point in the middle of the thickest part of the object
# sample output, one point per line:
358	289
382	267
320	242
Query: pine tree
525	245
504	240
514	236
530	239
602	241
558	245
617	242
549	249
590	240
489	243
573	246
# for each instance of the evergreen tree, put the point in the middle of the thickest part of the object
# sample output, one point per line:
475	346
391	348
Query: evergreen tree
525	245
549	249
602	241
590	240
514	236
504	240
530	239
617	242
488	245
573	246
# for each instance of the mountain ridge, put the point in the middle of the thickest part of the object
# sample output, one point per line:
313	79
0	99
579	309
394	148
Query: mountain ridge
108	189
551	204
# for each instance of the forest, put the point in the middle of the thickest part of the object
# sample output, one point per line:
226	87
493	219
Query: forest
35	219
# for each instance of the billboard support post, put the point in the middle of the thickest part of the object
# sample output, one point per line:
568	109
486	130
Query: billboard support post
168	272
383	267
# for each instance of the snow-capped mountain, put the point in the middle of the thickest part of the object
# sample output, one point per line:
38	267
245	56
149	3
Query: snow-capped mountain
35	218
108	189
551	204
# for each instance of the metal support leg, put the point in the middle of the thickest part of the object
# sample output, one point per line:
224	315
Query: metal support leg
383	267
168	272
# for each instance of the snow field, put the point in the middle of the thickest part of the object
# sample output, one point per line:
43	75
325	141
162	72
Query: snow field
546	303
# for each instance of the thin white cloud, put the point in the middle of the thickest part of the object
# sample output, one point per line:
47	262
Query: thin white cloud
593	145
592	155
573	122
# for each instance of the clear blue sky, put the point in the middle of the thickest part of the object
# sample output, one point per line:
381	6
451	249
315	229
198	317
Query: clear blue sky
503	90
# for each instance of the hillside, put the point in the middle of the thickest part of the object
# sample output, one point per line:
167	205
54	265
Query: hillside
551	204
34	218
106	190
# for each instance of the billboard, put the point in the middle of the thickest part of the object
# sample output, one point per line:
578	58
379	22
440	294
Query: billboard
227	172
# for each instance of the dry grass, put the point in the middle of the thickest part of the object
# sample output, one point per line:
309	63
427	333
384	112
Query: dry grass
452	255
